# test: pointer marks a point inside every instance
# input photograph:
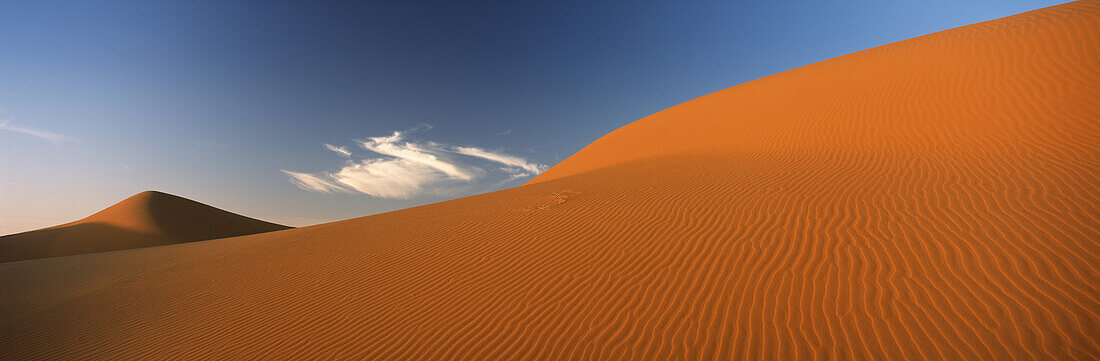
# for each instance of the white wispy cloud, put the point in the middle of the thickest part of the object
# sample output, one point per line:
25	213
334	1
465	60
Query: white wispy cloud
512	162
312	182
394	178
408	168
339	150
412	153
51	137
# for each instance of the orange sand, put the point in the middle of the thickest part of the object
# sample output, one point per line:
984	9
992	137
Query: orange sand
932	199
144	220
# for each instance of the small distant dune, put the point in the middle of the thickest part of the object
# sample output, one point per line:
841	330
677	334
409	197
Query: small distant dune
936	198
147	219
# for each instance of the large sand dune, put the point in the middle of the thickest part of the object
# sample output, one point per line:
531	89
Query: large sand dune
144	220
932	199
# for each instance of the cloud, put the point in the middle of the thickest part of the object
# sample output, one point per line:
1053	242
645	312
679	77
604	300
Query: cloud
312	182
420	128
51	137
412	154
408	168
387	178
511	161
339	150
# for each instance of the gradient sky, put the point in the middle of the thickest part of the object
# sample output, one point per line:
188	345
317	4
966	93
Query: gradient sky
223	101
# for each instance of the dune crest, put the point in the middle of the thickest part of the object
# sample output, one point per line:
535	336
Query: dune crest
931	199
989	85
146	219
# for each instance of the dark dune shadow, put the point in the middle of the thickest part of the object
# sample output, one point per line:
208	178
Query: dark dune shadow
68	240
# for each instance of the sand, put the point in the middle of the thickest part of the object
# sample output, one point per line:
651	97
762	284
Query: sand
143	220
931	199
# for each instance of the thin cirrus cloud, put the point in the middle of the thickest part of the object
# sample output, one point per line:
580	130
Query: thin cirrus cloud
511	163
312	182
42	134
339	150
408	168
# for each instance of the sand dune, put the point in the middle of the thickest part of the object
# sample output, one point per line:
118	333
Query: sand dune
143	220
932	199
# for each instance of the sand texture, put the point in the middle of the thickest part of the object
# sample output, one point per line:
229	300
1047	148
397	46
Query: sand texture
144	220
931	199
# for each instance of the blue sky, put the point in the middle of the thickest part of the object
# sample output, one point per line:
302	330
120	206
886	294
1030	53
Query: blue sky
233	103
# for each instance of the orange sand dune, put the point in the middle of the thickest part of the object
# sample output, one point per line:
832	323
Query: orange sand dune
932	199
146	219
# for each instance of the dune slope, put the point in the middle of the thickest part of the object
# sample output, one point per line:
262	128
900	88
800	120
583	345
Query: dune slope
146	219
932	199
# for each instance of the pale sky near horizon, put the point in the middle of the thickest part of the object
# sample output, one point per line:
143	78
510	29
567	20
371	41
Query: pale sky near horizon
314	111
